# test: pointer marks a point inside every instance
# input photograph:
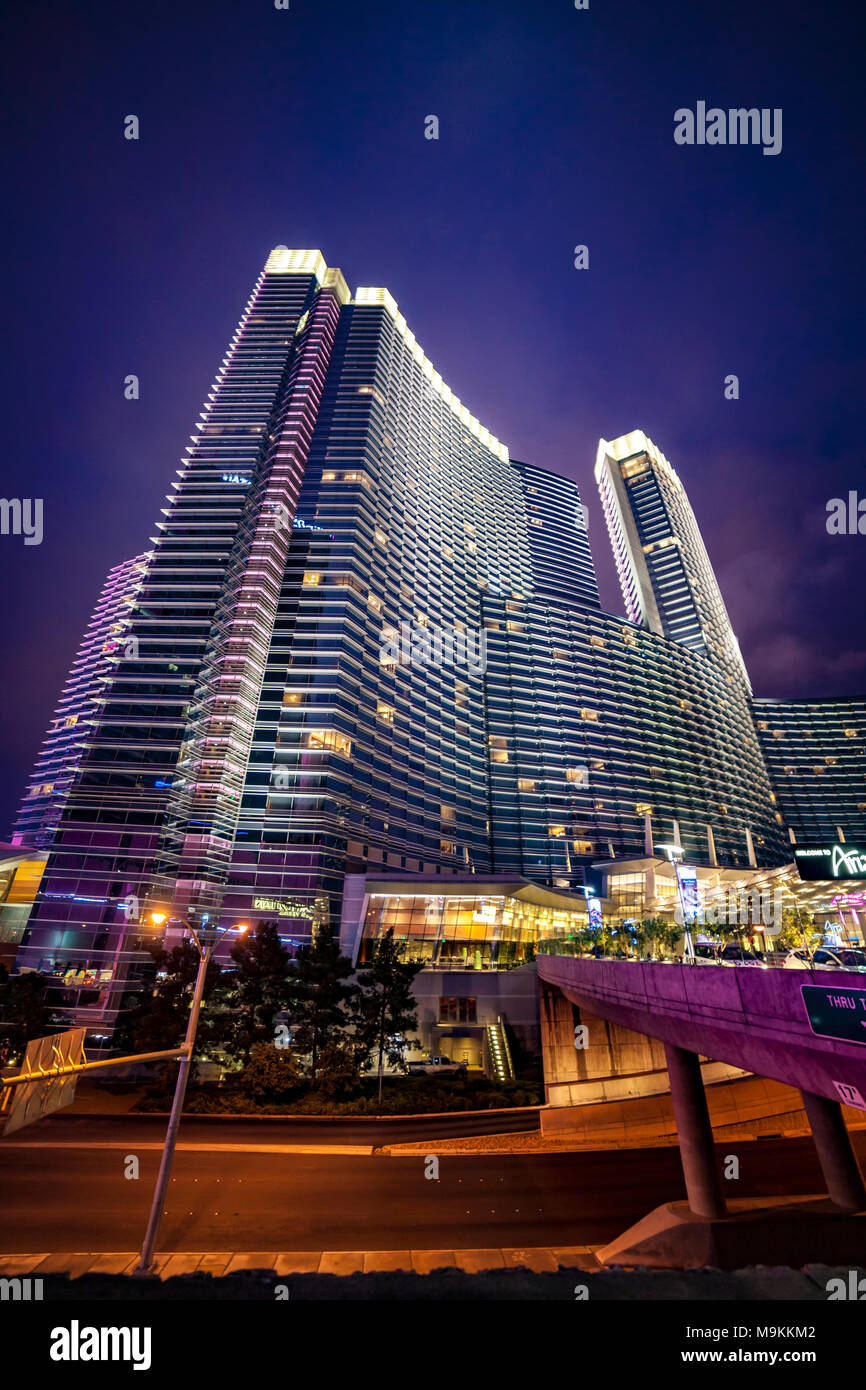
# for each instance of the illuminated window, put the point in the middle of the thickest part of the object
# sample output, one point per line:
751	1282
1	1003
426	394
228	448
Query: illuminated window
312	577
583	846
447	813
512	626
371	391
390	639
328	477
447	847
762	724
292	697
597	765
596	641
636	467
556	831
385	712
457	1010
850	733
590	715
331	740
381	538
525	784
374	603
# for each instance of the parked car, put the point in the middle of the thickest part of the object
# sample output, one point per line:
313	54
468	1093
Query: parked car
706	954
839	958
735	954
436	1066
795	960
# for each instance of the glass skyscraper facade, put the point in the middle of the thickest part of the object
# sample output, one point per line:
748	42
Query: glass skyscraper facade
816	753
367	641
104	643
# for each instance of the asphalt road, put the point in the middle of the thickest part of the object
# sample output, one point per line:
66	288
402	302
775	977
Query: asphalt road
58	1199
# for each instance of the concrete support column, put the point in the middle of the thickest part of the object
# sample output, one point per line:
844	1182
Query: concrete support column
648	836
835	1152
695	1133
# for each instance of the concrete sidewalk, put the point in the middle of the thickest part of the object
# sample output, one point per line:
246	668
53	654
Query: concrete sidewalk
540	1259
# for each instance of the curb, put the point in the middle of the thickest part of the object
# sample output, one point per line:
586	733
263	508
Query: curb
526	1110
538	1259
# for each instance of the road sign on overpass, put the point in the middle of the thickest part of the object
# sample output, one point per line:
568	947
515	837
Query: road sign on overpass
836	1013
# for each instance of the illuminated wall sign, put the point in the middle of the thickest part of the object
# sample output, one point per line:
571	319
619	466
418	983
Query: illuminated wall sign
593	907
831	860
849	900
284	908
235	478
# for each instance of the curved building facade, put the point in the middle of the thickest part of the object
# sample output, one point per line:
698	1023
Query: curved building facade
366	640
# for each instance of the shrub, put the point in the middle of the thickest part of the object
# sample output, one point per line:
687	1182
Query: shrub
271	1073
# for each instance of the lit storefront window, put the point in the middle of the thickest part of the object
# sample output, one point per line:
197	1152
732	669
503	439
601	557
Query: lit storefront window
465	933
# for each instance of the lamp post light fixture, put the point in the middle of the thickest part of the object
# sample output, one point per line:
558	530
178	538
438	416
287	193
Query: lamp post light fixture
205	939
675	853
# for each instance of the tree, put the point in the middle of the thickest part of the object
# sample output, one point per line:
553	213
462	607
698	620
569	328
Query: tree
252	995
671	937
655	931
384	1007
317	996
271	1073
795	934
159	1022
23	1012
339	1068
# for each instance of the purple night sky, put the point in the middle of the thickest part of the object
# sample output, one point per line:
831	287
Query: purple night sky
306	127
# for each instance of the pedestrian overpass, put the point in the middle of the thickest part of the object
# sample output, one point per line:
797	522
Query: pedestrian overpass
806	1028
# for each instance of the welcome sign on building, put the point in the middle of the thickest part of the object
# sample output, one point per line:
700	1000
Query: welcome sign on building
831	860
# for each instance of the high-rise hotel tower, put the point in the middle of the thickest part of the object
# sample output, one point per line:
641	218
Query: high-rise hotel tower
366	639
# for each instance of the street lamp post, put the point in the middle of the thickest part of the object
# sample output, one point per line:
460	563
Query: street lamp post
675	854
205	950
